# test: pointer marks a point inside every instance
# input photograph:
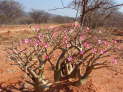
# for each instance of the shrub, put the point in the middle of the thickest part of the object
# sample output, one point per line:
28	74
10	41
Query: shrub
80	52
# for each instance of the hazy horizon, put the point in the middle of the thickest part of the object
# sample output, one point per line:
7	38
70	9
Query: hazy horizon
47	5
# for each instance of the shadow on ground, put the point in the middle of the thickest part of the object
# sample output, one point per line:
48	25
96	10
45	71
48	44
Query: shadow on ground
59	87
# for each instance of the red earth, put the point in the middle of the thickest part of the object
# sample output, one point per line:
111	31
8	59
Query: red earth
102	80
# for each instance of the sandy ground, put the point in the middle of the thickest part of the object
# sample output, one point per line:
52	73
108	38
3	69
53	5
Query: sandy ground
103	80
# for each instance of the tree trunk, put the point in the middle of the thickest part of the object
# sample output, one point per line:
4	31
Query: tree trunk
57	75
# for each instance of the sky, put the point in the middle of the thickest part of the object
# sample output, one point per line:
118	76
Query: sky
48	5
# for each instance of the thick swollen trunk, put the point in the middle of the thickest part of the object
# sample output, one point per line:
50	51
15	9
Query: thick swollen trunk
57	75
84	78
42	86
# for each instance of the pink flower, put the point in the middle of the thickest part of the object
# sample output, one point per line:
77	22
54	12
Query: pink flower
99	41
71	30
37	28
46	57
26	40
119	48
68	45
114	41
65	37
37	43
86	45
55	34
81	37
87	29
1	90
114	61
81	52
102	52
40	36
100	31
94	50
45	45
106	43
69	58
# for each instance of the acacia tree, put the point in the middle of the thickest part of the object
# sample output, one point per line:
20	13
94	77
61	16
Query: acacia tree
79	54
90	7
9	11
87	10
39	16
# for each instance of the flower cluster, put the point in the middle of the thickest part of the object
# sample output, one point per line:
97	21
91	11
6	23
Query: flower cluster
70	49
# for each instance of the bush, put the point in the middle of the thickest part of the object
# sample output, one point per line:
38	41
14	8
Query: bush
80	51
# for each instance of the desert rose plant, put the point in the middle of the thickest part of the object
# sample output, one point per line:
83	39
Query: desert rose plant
80	51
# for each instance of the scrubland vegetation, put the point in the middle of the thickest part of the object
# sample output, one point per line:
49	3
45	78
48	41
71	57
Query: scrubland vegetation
58	58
